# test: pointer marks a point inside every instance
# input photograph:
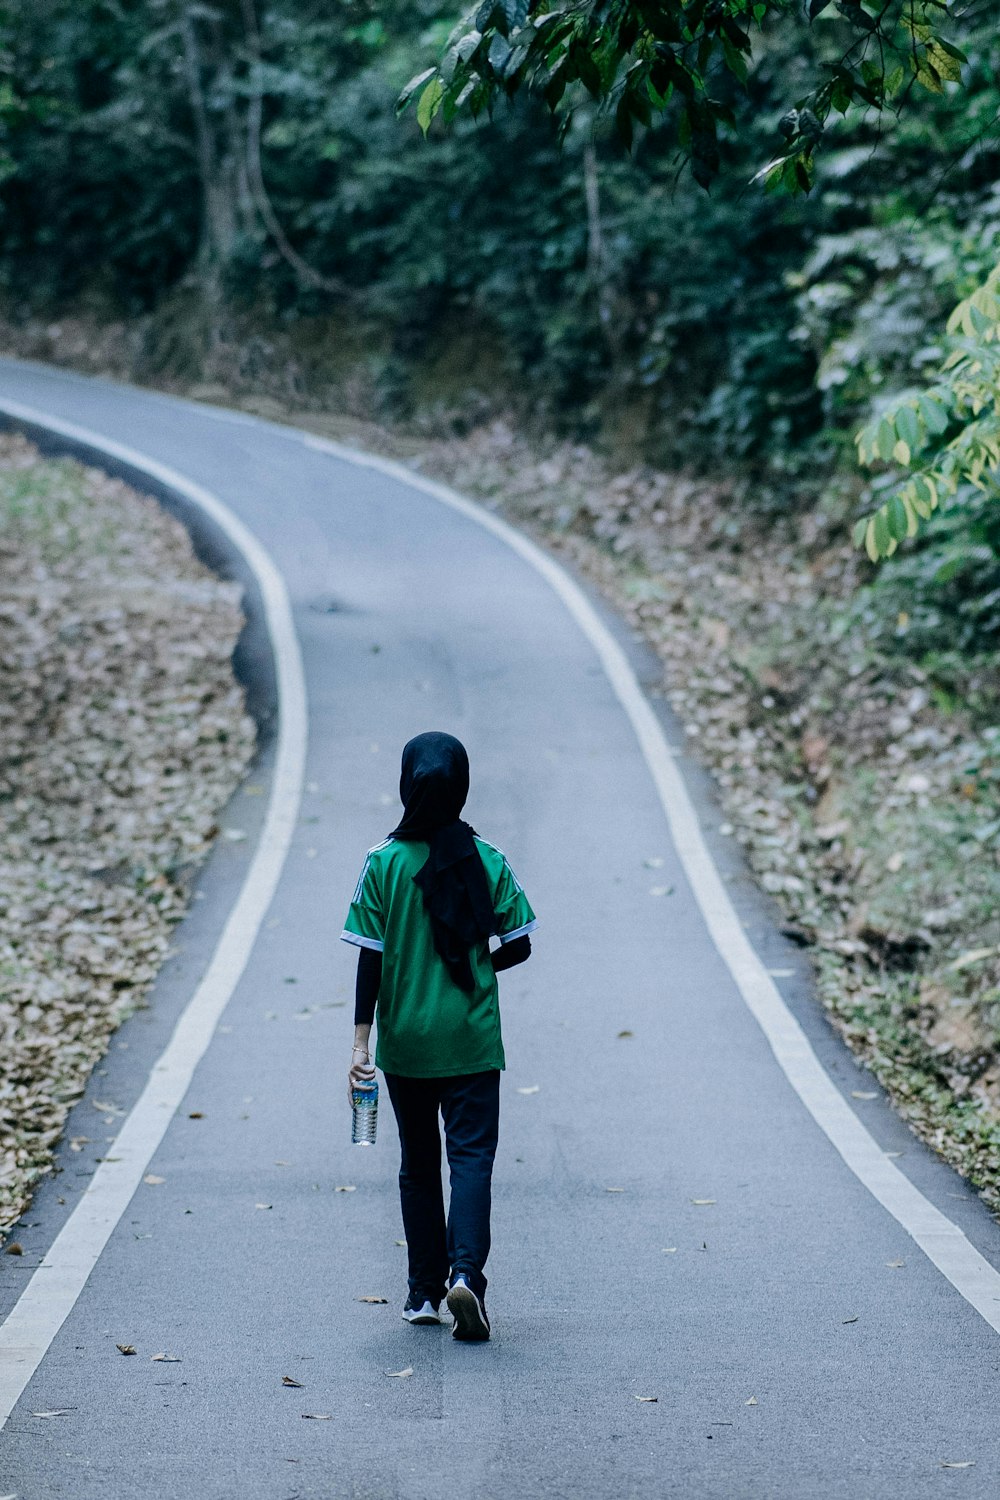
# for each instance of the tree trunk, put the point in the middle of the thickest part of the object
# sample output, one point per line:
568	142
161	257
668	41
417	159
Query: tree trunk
215	169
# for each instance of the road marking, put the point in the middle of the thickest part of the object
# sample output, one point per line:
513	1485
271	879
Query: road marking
48	1298
941	1241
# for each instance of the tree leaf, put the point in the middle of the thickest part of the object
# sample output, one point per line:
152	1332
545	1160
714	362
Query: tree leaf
908	427
411	88
430	103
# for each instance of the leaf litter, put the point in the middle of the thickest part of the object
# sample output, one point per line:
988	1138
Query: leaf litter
124	733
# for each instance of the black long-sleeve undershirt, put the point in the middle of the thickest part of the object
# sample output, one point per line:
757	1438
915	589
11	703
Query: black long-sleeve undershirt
370	974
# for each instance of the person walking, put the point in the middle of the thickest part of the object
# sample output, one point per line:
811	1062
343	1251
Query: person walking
427	902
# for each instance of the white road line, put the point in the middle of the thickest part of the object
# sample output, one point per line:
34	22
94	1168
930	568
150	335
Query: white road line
941	1241
52	1291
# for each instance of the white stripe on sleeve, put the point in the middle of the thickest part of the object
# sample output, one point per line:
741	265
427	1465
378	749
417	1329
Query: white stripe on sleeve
362	942
508	937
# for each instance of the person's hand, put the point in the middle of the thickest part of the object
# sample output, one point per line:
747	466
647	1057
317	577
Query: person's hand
362	1071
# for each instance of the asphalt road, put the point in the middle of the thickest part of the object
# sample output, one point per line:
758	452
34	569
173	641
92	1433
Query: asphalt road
669	1220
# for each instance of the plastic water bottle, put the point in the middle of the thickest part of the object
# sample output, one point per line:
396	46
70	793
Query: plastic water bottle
364	1114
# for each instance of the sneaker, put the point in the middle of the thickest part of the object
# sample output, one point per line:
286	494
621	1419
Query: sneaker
421	1312
471	1322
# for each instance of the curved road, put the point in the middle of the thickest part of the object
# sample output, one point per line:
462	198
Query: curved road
670	1221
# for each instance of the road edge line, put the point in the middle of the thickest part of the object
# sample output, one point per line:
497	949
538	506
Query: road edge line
50	1295
941	1240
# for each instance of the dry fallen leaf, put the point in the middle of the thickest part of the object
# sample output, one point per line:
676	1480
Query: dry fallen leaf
126	1349
752	1402
400	1374
864	1094
195	1114
346	1187
59	1411
14	1248
647	1398
625	1033
316	1416
287	1380
973	956
77	1142
373	1299
967	1463
703	1202
165	1359
532	1089
669	1250
661	890
614	1190
263	1205
401	1243
894	1265
153	1180
850	1320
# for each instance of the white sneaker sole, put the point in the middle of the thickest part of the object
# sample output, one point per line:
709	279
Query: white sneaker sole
423	1317
470	1320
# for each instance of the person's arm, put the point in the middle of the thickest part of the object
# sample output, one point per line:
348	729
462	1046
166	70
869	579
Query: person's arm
365	997
509	954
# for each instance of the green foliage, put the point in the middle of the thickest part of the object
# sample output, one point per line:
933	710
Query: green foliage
946	436
640	59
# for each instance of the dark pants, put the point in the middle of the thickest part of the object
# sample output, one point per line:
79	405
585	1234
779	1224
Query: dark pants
470	1105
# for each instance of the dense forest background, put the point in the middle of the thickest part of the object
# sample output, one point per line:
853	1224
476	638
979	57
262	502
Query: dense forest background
235	185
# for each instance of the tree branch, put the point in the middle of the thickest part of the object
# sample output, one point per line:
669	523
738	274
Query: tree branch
255	172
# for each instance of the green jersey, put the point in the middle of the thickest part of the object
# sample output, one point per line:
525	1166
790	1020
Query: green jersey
427	1026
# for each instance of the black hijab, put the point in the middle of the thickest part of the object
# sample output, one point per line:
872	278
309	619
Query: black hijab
433	786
